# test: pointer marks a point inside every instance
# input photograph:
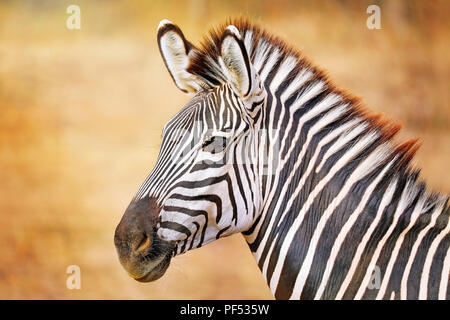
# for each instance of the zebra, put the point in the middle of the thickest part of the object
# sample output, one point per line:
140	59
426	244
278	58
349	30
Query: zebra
268	146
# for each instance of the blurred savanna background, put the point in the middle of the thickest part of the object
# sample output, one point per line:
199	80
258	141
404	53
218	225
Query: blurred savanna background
81	114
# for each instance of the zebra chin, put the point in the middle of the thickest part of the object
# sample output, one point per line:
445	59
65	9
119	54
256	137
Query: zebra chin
141	252
155	271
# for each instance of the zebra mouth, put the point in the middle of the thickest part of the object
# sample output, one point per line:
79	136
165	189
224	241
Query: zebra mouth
156	272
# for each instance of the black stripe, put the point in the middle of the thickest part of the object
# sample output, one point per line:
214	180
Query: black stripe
175	226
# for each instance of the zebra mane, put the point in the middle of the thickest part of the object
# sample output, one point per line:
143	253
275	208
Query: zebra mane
205	64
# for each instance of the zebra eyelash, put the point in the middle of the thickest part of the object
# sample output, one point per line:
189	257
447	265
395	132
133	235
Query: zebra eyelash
214	144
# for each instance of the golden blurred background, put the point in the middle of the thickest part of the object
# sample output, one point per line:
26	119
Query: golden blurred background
81	114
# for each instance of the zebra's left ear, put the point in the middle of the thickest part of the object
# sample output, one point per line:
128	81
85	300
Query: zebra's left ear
237	66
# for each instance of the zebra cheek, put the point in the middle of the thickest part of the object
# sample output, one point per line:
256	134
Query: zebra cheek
170	235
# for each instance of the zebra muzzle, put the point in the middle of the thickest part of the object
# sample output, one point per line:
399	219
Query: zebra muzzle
143	255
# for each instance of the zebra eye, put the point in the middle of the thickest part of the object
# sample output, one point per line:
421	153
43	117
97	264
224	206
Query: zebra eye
214	144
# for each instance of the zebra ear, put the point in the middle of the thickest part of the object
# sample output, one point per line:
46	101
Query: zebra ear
235	61
176	51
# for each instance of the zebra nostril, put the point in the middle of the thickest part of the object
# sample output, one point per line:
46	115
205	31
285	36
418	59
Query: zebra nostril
144	244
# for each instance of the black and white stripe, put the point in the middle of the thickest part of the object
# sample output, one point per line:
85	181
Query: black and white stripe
269	147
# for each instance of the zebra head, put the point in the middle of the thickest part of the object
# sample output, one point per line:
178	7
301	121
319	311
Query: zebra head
204	185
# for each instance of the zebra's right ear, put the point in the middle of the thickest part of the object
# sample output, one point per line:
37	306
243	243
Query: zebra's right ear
176	52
